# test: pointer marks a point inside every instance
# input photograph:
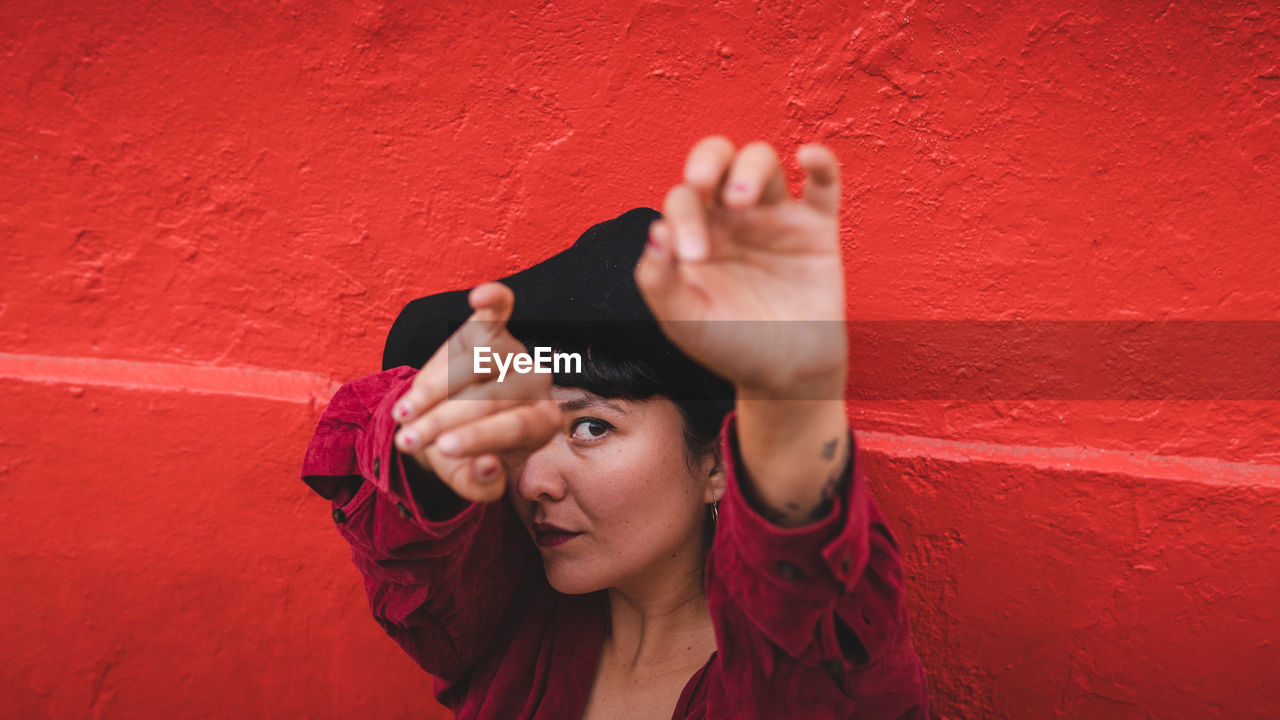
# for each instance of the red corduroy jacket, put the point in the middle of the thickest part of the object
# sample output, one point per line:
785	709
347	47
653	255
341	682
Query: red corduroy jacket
809	621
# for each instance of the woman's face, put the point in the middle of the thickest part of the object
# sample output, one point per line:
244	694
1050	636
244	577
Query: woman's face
618	481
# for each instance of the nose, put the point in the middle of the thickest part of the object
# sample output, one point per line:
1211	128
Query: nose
542	478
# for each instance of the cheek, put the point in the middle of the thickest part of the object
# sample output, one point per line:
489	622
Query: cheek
642	504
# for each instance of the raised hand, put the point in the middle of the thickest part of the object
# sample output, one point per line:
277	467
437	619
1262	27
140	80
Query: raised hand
747	279
469	430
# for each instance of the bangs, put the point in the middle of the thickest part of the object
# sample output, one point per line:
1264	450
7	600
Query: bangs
635	361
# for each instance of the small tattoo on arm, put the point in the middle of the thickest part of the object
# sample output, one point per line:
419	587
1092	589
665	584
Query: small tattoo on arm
835	484
833	488
829	492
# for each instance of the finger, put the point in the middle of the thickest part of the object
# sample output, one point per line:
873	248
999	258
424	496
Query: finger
657	275
473	359
492	302
437	381
525	428
429	387
449	373
755	178
424	430
488	470
707	164
452	364
484	478
478	479
822	177
685	216
473	403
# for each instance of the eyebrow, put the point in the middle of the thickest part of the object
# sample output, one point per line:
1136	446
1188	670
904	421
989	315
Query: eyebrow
587	401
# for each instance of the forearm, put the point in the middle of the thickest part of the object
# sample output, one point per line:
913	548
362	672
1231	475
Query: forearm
794	452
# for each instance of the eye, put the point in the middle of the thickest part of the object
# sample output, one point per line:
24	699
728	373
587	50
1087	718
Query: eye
589	429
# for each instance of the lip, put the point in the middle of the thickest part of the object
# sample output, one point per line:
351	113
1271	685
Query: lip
548	535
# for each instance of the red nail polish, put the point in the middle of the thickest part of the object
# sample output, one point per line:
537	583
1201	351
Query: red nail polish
653	243
739	188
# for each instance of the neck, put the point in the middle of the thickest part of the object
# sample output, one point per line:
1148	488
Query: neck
661	623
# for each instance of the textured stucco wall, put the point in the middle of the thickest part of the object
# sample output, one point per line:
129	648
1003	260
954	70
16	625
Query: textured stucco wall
210	213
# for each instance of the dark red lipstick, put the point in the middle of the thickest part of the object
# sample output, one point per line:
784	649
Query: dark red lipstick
548	535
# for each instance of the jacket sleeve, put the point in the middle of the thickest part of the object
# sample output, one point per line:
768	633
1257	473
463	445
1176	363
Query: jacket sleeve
810	621
439	572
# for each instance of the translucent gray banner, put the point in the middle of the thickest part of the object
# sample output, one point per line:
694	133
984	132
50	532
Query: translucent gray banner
970	361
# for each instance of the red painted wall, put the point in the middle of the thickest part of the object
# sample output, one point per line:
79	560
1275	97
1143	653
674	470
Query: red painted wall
211	212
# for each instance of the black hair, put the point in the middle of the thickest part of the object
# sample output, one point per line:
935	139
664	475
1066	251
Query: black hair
634	361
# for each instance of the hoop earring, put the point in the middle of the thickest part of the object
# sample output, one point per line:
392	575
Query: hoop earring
715	512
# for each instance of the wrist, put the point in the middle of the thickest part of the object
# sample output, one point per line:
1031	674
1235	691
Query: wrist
792	453
823	384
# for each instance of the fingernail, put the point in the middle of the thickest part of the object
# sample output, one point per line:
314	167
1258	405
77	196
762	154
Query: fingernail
740	188
697	173
690	248
488	472
655	243
408	439
402	410
448	443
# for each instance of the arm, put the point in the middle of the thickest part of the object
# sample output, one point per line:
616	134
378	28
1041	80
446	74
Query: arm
811	620
805	579
802	447
440	551
750	282
439	572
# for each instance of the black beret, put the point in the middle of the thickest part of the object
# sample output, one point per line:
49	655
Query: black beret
587	288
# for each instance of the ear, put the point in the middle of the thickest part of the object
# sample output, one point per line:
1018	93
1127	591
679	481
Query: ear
713	469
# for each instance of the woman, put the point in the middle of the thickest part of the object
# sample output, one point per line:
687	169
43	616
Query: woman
595	548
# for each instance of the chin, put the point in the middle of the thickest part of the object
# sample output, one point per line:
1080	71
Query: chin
570	580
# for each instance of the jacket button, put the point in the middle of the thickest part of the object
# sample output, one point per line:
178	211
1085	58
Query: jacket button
789	571
339	516
404	511
377	466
